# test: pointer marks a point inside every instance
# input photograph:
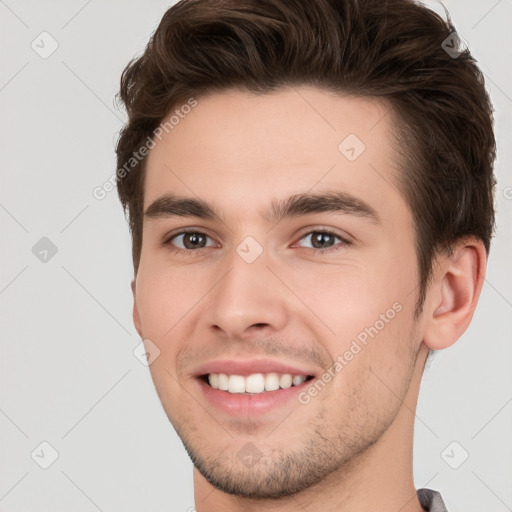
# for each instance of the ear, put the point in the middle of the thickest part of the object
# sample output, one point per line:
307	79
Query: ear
453	294
135	313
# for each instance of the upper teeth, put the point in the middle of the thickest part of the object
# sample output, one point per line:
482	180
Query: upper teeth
255	383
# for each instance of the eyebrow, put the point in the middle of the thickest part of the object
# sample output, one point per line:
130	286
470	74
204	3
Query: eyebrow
172	205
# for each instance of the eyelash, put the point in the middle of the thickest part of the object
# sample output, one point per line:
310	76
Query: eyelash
178	250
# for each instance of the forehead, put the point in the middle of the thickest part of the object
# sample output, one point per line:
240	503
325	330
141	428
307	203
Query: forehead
238	149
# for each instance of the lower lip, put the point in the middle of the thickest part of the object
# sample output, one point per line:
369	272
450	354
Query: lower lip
238	404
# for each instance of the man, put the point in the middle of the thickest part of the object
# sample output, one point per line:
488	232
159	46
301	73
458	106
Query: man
310	194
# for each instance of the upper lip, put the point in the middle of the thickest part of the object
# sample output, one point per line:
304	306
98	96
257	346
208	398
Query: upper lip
246	367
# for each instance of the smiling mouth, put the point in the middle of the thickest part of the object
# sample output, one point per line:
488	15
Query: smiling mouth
253	384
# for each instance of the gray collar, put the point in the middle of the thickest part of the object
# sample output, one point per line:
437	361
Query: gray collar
431	500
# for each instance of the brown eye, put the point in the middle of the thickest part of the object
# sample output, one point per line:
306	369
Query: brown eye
319	240
323	240
194	240
189	241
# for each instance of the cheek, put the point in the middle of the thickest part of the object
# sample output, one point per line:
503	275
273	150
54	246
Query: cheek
369	313
373	375
163	300
345	300
164	297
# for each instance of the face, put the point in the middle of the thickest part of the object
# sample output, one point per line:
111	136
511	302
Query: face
254	284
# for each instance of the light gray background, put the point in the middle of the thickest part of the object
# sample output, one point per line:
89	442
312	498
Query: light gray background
68	374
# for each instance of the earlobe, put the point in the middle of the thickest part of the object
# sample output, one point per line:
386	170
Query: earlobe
135	312
453	294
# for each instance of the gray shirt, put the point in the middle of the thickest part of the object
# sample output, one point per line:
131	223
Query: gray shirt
431	500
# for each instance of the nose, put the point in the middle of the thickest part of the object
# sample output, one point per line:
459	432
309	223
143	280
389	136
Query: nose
248	300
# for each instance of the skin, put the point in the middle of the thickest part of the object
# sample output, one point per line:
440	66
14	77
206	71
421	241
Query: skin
350	447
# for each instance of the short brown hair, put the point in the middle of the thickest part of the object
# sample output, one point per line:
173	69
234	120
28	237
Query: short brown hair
394	50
